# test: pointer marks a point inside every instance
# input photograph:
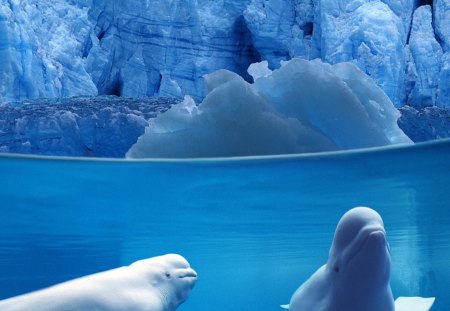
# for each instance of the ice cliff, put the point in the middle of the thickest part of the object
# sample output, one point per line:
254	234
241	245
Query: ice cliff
41	50
142	48
103	126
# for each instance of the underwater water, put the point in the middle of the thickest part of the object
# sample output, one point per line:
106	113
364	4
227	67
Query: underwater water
253	228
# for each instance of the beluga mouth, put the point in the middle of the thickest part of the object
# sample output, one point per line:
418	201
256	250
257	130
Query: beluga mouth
188	273
360	241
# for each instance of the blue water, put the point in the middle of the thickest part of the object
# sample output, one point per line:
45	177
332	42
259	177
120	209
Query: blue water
254	229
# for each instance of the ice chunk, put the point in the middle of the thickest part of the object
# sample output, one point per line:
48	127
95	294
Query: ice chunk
334	100
232	120
259	70
413	303
305	106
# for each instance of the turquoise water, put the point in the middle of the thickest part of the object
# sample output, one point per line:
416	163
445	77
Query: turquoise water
254	229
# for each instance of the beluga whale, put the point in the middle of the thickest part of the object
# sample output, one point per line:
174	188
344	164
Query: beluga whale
356	276
156	284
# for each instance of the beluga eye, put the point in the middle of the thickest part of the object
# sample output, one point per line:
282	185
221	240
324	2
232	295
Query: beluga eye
336	268
168	275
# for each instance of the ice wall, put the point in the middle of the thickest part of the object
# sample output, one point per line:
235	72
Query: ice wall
426	60
370	33
442	21
144	48
104	126
41	44
425	124
164	48
442	30
281	29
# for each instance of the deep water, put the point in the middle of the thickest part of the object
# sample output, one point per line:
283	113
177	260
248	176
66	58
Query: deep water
253	228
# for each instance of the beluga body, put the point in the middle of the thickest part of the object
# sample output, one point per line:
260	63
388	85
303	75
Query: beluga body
356	276
156	284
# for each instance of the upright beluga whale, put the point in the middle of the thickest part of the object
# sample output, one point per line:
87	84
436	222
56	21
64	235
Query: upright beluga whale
357	274
155	284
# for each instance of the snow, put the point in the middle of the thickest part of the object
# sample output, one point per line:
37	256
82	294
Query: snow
305	106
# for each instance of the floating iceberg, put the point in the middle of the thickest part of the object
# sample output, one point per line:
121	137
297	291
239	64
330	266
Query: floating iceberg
305	106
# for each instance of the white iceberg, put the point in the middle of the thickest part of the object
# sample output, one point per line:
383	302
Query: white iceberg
305	106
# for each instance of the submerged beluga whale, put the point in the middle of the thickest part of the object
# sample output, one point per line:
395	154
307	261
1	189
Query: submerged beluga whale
156	284
357	274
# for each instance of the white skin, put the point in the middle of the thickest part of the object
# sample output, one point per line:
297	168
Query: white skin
356	276
155	284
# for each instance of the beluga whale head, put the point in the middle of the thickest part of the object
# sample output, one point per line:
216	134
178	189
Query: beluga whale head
170	276
159	283
357	273
360	256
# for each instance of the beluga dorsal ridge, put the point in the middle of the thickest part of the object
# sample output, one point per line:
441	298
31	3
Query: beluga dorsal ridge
356	275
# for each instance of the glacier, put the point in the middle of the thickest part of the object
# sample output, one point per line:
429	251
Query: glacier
425	124
304	106
50	49
426	59
41	45
103	126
